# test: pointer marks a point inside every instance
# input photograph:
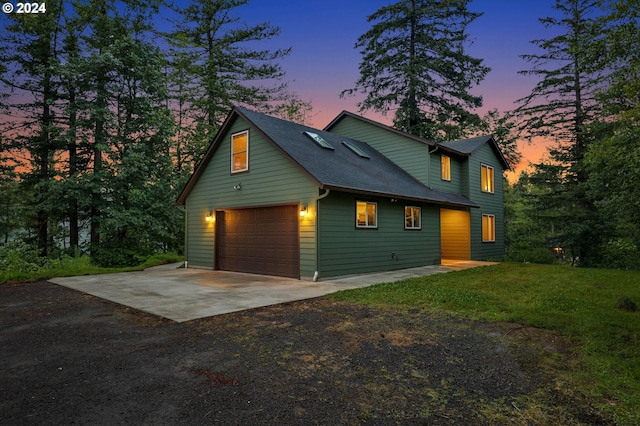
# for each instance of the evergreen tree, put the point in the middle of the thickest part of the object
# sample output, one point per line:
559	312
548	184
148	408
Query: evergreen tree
561	106
414	62
77	159
504	131
563	102
138	164
31	56
217	68
621	97
292	108
125	119
527	236
613	159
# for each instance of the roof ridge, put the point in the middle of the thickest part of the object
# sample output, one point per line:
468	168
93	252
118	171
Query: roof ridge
346	113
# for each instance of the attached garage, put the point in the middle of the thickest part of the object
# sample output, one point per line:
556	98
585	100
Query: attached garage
262	240
278	198
455	234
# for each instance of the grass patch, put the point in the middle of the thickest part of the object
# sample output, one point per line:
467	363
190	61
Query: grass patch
74	266
578	303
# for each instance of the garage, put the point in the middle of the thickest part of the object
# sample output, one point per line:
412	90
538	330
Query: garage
262	240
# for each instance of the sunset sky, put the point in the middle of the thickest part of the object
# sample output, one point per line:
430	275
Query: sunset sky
323	61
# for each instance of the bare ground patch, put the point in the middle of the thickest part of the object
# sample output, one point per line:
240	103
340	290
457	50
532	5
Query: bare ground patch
73	359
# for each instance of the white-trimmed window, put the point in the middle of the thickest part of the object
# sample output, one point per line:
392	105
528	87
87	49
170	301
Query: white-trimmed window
488	228
366	214
412	217
486	178
240	152
445	167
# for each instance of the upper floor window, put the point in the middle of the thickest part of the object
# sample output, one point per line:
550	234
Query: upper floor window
445	167
412	217
486	178
366	214
240	152
488	228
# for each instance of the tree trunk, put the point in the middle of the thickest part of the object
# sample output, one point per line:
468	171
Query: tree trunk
99	143
74	240
412	101
44	151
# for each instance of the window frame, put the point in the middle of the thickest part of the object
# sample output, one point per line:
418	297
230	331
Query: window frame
356	150
491	220
245	151
414	227
318	140
367	225
489	187
445	173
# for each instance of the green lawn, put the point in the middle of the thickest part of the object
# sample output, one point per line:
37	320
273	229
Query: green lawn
575	302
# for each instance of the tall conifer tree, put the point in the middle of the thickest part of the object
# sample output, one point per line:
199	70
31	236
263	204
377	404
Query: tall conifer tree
613	159
561	106
414	63
217	66
30	53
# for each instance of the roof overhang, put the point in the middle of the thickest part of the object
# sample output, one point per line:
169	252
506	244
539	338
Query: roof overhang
466	203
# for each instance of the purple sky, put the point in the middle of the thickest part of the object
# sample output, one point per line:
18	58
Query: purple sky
323	61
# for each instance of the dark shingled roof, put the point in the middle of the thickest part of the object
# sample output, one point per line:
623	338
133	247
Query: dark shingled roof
463	147
469	146
345	114
339	168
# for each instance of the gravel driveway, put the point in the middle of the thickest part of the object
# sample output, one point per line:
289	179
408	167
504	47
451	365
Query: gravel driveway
71	358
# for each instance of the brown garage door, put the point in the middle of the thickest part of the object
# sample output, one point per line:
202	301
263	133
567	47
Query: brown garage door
259	241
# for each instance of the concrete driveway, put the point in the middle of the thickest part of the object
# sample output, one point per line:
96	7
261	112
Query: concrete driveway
187	294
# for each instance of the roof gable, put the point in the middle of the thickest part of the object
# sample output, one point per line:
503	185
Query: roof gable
341	168
467	147
464	147
346	114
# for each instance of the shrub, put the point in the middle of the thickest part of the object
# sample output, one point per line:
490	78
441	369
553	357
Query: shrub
118	257
528	254
620	253
18	256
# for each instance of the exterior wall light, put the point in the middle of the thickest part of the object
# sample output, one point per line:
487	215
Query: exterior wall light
303	211
209	218
237	187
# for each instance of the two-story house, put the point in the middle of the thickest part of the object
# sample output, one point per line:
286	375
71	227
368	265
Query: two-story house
279	198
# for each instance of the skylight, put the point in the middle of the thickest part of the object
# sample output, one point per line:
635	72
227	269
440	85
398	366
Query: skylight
355	149
319	140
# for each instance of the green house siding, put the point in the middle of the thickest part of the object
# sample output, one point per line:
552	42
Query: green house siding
492	204
344	249
459	182
271	180
409	154
330	243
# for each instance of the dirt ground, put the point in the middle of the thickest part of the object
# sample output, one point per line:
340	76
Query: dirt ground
71	358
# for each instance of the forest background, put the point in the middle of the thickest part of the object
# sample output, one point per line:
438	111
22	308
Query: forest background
107	107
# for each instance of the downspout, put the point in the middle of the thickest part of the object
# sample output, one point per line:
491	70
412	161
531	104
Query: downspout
316	273
429	164
186	234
